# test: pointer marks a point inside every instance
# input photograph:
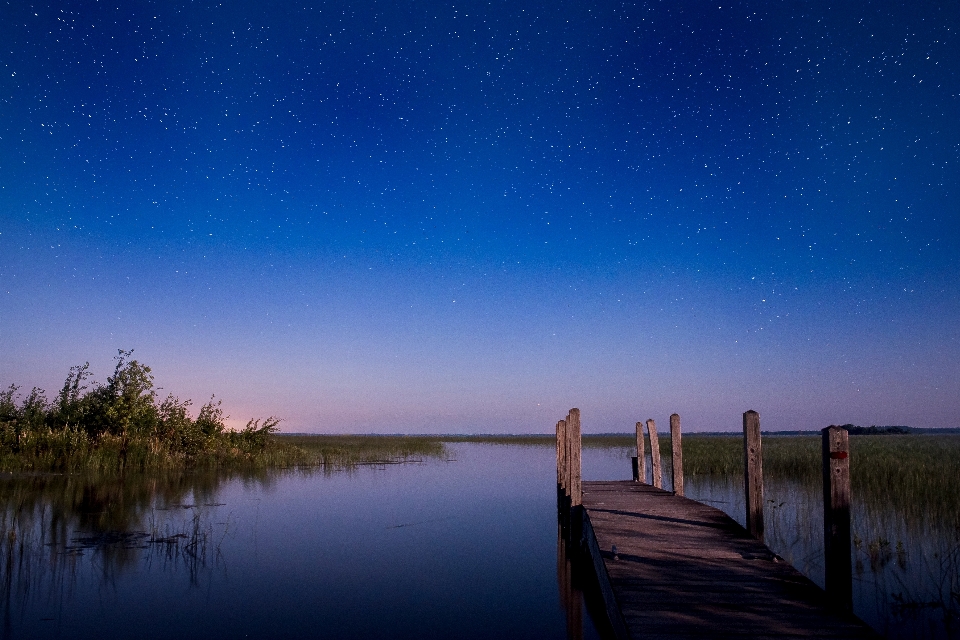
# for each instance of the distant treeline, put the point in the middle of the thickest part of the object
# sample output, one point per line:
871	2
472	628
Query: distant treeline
873	430
118	424
857	430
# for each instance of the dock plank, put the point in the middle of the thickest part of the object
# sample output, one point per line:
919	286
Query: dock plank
684	569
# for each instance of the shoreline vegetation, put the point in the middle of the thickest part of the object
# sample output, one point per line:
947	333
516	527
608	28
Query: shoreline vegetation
121	426
118	425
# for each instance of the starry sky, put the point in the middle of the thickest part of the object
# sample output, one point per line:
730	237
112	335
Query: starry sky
423	216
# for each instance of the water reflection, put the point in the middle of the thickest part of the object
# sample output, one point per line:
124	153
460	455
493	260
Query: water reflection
571	595
460	548
51	525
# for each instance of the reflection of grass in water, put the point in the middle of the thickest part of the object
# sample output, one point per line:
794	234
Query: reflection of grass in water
104	502
46	520
50	522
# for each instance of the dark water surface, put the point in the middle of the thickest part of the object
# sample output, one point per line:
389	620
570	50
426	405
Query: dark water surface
464	548
458	548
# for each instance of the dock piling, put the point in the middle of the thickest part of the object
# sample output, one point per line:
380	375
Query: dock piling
573	436
655	454
640	471
838	576
676	454
753	473
562	457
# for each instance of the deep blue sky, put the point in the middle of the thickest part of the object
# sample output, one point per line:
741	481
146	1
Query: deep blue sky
469	217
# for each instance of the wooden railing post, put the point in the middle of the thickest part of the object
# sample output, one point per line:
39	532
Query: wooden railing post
677	454
640	470
655	454
568	456
836	517
562	457
573	427
753	473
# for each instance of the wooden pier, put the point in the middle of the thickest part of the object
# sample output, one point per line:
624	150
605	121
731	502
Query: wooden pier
671	567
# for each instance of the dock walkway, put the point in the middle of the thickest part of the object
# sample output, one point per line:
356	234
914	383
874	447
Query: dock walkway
683	569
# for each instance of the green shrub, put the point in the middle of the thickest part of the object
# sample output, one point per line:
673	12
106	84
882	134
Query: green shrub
119	425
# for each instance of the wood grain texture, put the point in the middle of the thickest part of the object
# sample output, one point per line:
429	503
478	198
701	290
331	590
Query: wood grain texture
753	473
686	570
641	455
676	454
562	456
573	428
836	516
655	454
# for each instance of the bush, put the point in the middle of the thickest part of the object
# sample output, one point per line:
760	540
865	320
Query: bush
118	424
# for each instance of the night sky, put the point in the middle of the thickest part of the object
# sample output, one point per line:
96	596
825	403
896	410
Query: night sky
469	217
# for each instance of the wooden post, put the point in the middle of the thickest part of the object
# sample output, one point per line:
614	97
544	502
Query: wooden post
641	473
655	454
562	456
677	454
753	473
836	517
573	426
567	455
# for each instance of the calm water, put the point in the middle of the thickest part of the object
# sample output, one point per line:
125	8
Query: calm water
464	548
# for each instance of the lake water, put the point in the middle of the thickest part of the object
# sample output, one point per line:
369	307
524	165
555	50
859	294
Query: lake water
464	547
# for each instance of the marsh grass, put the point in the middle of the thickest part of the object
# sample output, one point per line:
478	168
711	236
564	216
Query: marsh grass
344	451
917	475
534	440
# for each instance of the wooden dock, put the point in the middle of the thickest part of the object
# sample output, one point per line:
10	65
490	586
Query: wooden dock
686	570
671	567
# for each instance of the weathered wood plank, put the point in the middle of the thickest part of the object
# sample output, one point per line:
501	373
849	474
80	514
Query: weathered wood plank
686	570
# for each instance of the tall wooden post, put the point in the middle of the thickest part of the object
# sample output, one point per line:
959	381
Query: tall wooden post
573	426
677	454
836	517
753	473
568	455
655	454
641	471
562	457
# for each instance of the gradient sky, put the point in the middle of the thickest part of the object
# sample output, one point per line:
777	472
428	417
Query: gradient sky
413	216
